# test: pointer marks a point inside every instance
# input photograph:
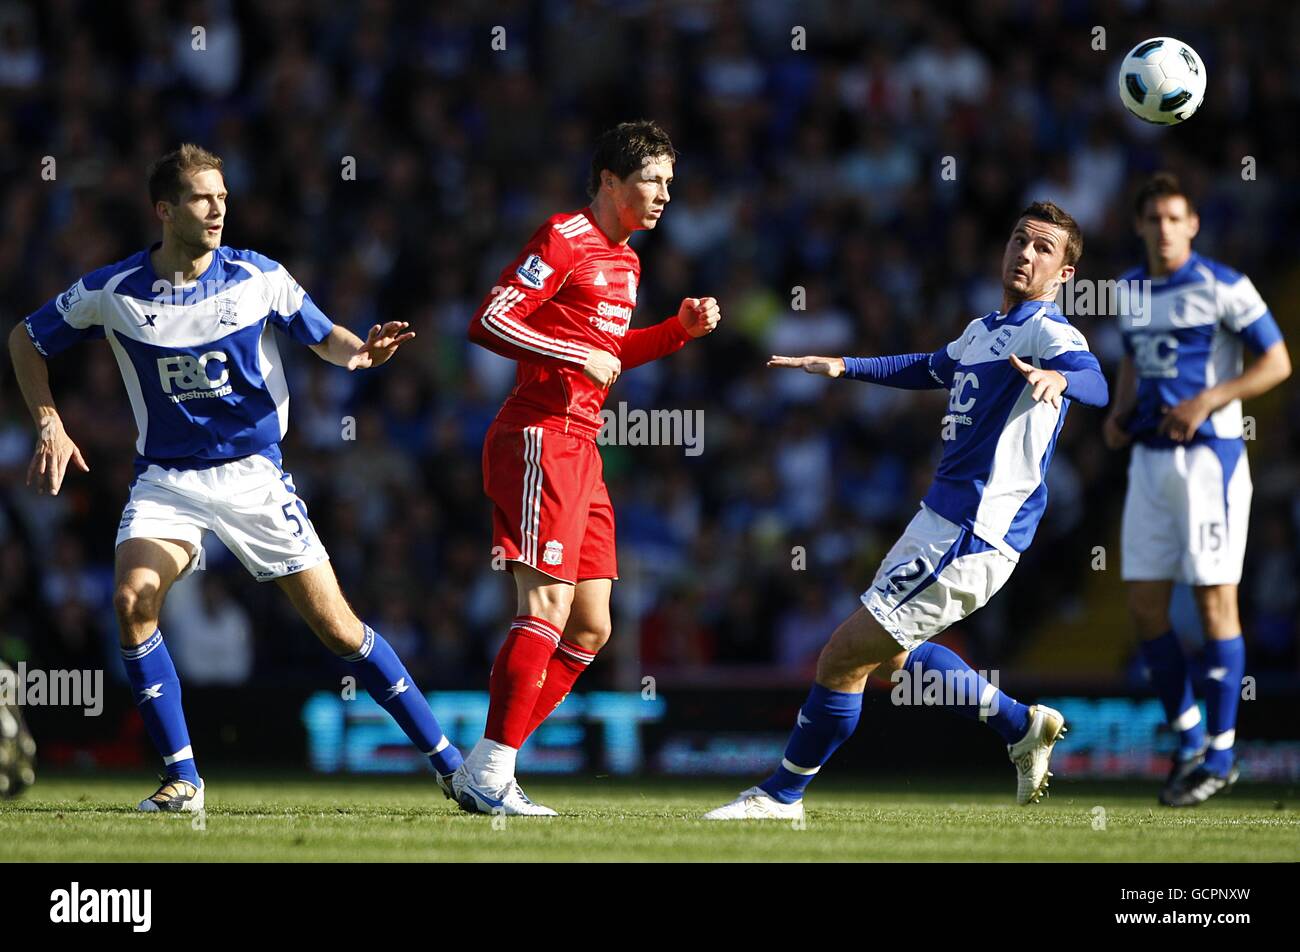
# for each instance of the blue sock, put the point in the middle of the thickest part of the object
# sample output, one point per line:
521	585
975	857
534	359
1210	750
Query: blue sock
157	691
825	721
385	677
1165	660
972	696
1225	664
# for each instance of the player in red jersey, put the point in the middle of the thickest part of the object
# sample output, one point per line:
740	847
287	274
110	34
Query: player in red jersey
562	310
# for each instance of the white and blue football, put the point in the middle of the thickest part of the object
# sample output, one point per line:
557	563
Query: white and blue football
1162	80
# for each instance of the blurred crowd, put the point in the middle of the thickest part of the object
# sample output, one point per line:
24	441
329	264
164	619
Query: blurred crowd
395	156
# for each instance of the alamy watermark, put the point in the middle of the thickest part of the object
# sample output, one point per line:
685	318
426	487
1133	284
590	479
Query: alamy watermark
637	427
1107	298
919	686
77	905
34	687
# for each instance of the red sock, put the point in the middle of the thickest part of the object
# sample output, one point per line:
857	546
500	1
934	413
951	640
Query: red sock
517	678
568	662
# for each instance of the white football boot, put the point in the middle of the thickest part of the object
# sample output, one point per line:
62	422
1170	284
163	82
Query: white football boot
175	796
475	799
519	801
757	804
1032	753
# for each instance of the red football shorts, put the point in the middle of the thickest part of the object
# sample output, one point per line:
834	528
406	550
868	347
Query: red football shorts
552	510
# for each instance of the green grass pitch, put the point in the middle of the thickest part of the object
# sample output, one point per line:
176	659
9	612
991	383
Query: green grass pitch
302	818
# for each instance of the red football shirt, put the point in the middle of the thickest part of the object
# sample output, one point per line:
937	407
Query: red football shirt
570	290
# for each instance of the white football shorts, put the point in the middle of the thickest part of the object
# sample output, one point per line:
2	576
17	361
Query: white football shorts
1186	513
249	503
936	574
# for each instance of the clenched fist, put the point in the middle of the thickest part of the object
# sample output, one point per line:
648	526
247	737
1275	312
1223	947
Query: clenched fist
699	315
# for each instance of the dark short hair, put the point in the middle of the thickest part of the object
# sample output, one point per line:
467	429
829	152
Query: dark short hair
165	174
1160	185
624	148
1054	214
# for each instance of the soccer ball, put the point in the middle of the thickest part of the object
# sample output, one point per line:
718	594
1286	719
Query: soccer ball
1162	80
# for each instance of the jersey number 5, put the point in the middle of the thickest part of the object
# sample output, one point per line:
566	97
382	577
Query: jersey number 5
289	516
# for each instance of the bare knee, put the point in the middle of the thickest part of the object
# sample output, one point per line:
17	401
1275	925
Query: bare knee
856	648
339	630
549	600
1218	609
890	665
588	634
839	668
1150	614
137	607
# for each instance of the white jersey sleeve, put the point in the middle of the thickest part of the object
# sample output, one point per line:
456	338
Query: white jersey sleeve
289	307
1056	338
1239	303
70	318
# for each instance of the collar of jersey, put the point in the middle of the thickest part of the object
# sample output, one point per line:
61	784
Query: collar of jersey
207	275
1024	311
595	226
1173	278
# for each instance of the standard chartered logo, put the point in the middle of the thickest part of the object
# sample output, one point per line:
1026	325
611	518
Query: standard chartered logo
192	377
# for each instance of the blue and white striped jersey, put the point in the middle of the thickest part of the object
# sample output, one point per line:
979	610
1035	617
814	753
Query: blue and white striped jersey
199	361
1189	337
997	441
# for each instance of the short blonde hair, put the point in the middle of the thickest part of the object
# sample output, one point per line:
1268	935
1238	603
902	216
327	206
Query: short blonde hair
165	174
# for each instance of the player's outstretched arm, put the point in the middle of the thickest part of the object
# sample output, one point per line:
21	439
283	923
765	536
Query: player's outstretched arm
1269	369
826	366
345	349
54	448
905	371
